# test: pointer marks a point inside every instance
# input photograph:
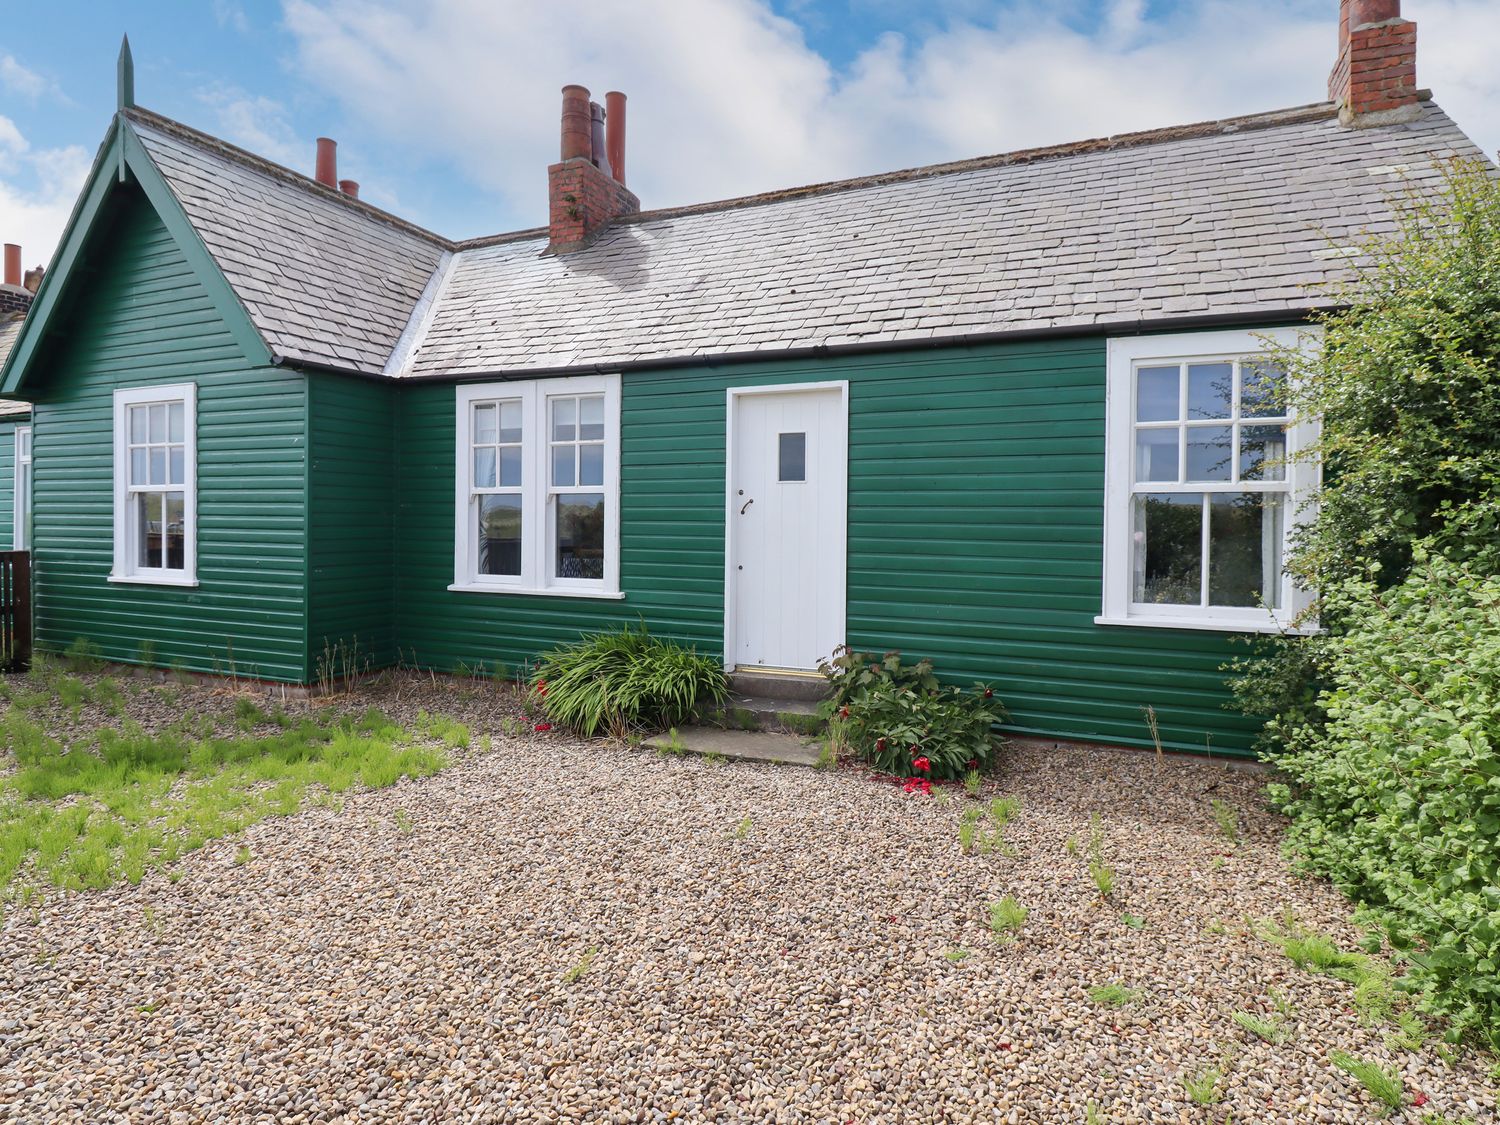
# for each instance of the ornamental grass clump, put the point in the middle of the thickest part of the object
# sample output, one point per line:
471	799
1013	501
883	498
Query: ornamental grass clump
616	683
903	721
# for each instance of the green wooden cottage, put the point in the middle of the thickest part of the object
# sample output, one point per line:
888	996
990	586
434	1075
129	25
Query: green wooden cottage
1010	413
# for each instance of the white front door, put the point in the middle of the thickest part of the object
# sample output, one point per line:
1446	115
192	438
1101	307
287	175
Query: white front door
788	475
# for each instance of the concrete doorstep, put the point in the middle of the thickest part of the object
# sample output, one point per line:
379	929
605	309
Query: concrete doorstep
740	745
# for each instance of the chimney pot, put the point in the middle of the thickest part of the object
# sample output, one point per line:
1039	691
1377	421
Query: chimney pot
596	138
12	264
577	142
614	134
326	169
349	188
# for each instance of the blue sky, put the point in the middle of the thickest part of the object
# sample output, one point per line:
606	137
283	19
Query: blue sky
446	110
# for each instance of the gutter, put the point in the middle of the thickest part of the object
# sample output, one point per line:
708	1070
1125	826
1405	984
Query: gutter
1140	327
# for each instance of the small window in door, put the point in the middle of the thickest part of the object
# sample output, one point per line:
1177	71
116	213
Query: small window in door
792	461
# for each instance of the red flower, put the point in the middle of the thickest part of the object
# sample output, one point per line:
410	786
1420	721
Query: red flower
972	763
544	726
921	765
843	712
926	787
1419	1098
880	746
988	694
542	692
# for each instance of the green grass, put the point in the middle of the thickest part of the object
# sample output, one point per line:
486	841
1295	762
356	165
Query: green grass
956	954
1204	1086
1383	1085
1102	874
582	965
120	802
1262	1028
1115	995
982	831
1006	918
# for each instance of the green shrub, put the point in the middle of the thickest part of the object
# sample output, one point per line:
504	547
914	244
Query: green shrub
899	717
1396	797
624	681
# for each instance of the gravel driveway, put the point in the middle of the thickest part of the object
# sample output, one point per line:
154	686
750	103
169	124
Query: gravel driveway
556	930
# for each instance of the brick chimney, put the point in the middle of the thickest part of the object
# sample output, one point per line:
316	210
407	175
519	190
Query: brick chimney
1374	81
15	298
583	195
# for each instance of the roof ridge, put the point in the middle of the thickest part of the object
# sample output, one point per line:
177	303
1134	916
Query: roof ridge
1268	119
152	119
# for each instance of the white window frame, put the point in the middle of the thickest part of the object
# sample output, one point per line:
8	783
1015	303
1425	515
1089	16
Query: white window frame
21	500
1125	355
538	509
126	569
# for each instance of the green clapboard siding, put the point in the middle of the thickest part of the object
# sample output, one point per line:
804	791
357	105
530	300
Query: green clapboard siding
352	485
975	537
143	317
8	481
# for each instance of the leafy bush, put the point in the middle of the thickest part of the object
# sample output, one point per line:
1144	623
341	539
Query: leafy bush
624	681
1396	797
902	720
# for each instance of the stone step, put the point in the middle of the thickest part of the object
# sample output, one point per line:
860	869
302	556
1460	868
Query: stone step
778	685
739	745
756	712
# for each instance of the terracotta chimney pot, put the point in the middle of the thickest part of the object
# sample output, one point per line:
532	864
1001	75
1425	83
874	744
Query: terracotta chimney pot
12	264
577	141
328	161
349	188
614	134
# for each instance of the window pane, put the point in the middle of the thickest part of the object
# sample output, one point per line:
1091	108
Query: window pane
591	465
1210	390
174	465
580	535
138	469
150	528
158	421
174	422
175	536
1244	549
158	466
1168	549
1156	394
510	466
1262	453
1210	455
1262	389
562	466
137	424
792	457
510	421
562	419
499	535
591	418
1156	454
484	424
484	467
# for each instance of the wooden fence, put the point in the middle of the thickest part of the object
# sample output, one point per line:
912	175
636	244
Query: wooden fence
15	611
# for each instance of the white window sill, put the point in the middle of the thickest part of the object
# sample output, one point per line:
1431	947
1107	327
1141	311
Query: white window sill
1208	624
535	592
150	580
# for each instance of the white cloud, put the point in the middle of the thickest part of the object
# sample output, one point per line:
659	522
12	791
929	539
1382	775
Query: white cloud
254	122
17	79
38	192
230	15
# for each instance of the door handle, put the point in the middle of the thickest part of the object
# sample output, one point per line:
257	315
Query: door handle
746	504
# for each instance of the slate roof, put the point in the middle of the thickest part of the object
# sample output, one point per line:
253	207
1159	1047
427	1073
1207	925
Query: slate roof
1244	216
323	280
10	329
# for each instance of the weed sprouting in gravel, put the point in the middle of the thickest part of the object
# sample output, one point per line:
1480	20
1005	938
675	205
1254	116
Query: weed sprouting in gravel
1269	1030
1100	872
1133	921
1116	995
982	831
451	733
404	823
1006	918
742	831
956	955
973	783
1227	817
1205	1086
1093	1115
1385	1086
714	758
82	657
242	856
582	965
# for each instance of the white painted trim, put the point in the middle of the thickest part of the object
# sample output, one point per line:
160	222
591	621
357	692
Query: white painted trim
838	534
21	497
536	546
124	568
421	315
1123	354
